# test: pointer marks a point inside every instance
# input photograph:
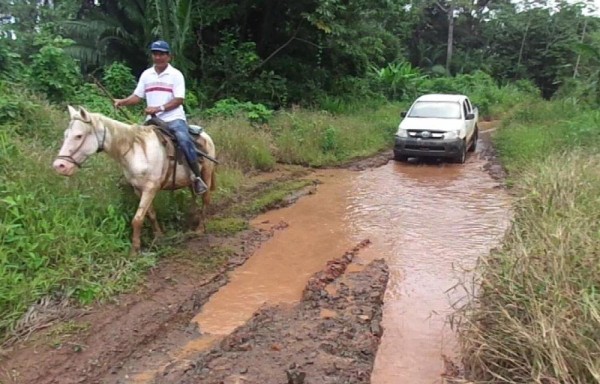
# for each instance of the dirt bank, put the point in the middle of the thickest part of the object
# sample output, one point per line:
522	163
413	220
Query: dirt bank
98	340
331	336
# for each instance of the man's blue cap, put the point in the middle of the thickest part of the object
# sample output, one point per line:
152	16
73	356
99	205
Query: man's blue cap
160	45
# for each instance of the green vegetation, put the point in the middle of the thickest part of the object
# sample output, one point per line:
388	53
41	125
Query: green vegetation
226	225
272	197
536	317
60	334
309	52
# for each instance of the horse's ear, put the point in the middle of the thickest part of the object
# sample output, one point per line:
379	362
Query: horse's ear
85	115
72	111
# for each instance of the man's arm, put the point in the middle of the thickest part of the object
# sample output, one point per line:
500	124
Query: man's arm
130	100
172	104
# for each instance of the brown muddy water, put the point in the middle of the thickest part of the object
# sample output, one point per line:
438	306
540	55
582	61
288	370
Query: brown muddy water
429	221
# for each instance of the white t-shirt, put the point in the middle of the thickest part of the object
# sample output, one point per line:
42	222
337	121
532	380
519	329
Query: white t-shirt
159	89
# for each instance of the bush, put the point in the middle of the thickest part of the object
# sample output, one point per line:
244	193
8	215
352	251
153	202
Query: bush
317	139
241	146
536	131
53	72
399	81
484	92
11	68
255	113
119	80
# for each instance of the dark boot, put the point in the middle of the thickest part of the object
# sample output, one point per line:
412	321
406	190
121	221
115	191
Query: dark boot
199	186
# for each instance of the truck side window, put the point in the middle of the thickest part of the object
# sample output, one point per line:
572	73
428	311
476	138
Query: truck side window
465	109
469	106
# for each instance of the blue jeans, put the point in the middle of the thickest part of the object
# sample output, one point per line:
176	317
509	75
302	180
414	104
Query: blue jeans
180	129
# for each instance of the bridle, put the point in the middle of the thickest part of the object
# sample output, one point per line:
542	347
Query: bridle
70	158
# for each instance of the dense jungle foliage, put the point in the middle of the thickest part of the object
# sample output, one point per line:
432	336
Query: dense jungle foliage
306	52
315	83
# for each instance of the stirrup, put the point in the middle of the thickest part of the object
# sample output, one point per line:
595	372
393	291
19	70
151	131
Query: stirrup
199	186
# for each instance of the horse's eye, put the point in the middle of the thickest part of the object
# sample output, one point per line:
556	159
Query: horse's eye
78	137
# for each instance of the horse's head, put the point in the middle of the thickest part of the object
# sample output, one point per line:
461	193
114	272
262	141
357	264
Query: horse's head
82	140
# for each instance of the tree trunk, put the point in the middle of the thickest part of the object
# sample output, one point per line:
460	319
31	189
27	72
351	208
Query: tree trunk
523	44
450	37
579	54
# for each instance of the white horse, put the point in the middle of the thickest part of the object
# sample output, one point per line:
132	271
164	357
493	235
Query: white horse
147	163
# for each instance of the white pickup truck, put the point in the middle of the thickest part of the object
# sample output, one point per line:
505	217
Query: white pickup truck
438	125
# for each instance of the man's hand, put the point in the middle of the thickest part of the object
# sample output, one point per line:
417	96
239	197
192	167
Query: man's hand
131	100
152	110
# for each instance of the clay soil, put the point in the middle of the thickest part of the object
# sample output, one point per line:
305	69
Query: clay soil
331	336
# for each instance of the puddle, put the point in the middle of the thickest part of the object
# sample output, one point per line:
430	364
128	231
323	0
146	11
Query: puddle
278	271
429	221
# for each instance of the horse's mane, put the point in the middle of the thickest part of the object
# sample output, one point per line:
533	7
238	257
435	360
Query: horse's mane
124	135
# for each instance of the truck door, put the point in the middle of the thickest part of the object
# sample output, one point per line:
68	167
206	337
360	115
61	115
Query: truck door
468	123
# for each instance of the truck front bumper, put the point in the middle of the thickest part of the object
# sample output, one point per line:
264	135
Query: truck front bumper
417	147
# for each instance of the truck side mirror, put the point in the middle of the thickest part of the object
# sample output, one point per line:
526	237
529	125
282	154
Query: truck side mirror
470	116
403	114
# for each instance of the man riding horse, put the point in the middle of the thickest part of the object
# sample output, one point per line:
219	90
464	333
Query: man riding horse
163	87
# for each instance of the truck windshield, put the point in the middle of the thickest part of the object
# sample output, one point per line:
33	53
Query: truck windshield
436	109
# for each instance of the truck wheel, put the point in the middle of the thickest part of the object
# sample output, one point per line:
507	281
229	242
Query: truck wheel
475	138
462	156
399	157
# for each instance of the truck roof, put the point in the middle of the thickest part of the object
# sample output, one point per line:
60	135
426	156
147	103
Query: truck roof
442	97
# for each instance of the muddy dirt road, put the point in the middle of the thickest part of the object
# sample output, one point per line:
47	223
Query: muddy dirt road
351	284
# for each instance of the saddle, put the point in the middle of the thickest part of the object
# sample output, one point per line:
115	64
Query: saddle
169	140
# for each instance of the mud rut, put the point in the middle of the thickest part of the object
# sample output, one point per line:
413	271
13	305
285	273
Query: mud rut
347	285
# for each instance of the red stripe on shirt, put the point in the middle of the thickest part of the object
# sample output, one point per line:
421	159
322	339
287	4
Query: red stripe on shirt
159	89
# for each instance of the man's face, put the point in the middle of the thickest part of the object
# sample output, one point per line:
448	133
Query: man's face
160	58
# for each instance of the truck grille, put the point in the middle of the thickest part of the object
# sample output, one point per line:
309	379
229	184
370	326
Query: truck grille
432	148
425	134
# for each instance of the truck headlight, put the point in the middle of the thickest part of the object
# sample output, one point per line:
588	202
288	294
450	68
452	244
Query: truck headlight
452	134
402	133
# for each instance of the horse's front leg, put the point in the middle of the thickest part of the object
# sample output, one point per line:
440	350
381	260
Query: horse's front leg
155	226
138	220
152	216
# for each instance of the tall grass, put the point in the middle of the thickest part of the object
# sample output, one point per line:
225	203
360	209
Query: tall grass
323	138
536	131
67	237
536	316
